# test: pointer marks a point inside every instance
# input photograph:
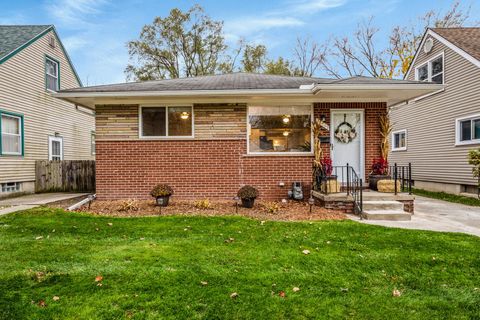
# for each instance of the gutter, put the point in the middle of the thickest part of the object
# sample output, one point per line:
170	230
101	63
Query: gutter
347	87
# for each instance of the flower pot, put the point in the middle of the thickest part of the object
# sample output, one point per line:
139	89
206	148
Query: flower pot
248	203
162	201
374	178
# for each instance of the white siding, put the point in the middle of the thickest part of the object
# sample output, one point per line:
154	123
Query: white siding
22	90
430	122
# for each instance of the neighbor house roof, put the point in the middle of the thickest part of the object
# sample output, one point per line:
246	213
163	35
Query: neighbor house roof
233	81
464	41
467	39
15	38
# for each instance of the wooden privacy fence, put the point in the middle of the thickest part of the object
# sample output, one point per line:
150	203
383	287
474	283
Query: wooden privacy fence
65	175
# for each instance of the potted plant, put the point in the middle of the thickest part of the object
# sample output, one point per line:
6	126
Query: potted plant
162	193
379	172
247	194
331	184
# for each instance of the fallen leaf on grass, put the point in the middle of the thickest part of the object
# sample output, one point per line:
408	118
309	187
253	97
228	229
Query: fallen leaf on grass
98	278
344	289
306	251
39	238
110	224
42	303
56	298
204	283
262	223
296	289
282	294
396	293
234	295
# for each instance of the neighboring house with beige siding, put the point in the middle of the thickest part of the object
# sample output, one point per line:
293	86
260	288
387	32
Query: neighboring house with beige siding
33	124
435	132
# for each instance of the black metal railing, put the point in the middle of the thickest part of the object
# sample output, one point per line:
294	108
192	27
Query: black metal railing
402	176
341	179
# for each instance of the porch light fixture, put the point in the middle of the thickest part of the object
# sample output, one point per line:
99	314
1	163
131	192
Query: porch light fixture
285	133
286	119
184	115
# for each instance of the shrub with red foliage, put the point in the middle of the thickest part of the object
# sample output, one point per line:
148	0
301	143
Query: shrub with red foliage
327	166
380	167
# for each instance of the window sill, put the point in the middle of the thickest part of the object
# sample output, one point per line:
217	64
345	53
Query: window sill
278	154
399	149
467	143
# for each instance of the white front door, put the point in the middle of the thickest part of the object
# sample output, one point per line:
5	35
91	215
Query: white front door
347	140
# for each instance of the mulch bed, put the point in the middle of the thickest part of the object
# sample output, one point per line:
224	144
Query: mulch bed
290	211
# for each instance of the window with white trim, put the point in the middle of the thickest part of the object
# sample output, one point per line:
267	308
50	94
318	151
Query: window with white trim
431	71
468	130
399	140
11	134
166	122
279	129
51	74
55	148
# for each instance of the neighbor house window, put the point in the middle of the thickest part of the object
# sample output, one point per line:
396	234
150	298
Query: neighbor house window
11	186
171	121
279	129
431	71
52	74
55	148
468	130
399	140
92	141
11	132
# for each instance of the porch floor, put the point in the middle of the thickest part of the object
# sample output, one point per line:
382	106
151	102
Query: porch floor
368	195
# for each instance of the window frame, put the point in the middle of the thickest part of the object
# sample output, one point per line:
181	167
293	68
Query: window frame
280	153
429	68
47	74
458	128
50	140
22	134
394	148
166	136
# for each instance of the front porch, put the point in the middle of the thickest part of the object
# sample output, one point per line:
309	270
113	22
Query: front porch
343	190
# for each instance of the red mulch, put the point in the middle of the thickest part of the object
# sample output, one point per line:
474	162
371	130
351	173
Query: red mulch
291	211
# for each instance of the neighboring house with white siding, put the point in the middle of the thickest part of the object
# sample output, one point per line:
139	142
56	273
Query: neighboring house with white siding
435	132
33	124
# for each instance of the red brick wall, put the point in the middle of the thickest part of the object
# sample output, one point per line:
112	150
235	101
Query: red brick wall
211	168
195	169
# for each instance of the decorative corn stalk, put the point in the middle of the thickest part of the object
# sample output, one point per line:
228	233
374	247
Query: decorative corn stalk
385	130
317	149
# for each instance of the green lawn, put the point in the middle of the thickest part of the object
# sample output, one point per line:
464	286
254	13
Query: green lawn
469	201
152	268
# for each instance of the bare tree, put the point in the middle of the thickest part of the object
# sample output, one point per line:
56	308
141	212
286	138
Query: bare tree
358	55
307	56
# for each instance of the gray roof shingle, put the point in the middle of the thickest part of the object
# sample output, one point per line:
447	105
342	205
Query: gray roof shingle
232	81
14	36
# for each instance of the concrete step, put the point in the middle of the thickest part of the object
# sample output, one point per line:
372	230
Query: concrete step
390	215
382	205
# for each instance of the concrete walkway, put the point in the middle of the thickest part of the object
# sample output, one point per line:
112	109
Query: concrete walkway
35	200
437	215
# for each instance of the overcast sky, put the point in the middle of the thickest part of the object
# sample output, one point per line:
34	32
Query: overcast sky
95	31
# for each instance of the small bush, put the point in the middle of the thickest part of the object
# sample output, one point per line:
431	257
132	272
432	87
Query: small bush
247	192
380	167
272	207
203	204
129	205
161	190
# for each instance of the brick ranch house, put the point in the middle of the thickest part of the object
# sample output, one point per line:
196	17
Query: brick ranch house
207	136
